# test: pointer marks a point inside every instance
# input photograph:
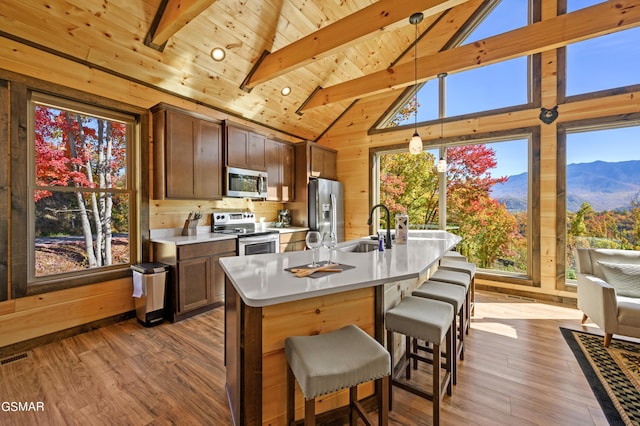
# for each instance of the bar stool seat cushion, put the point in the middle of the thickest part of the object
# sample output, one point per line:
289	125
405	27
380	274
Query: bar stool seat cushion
424	319
453	277
340	359
445	292
453	253
458	266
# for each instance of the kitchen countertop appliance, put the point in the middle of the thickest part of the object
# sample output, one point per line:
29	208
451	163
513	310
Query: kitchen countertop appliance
284	218
243	225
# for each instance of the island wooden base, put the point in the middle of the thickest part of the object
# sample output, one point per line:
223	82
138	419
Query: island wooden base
254	349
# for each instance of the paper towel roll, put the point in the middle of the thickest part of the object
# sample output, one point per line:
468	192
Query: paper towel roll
137	284
402	228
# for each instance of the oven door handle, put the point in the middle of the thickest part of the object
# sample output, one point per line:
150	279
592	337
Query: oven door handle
254	240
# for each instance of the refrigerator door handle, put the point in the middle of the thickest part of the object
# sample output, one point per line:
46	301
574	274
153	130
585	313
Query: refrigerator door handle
334	214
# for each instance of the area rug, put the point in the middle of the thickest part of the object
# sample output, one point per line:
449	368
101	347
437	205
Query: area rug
613	373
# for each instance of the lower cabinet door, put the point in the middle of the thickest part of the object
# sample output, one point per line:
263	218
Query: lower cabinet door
194	283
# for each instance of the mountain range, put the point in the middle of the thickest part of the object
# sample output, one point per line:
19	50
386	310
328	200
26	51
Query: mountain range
604	185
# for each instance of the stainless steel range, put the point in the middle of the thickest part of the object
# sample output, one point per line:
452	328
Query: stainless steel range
243	225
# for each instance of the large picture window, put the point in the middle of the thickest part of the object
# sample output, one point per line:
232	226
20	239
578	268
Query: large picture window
487	198
603	190
81	189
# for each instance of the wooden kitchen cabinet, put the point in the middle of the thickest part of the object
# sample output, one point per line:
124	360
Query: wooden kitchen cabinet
280	162
196	283
293	241
187	153
323	162
245	149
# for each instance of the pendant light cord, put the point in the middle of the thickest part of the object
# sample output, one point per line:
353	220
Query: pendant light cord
415	85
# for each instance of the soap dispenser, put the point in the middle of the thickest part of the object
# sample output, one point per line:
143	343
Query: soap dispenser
380	241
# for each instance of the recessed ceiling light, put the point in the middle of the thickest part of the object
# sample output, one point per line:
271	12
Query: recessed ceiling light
285	91
218	54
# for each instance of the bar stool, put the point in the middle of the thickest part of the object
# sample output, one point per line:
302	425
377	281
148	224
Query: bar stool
455	295
329	362
452	254
459	264
458	278
431	321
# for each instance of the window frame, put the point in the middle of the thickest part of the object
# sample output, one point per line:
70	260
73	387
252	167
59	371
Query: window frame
532	134
54	102
20	90
600	123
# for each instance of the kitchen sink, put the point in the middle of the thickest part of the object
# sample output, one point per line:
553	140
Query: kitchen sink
360	247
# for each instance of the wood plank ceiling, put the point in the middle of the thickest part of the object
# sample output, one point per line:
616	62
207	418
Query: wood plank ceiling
330	52
313	44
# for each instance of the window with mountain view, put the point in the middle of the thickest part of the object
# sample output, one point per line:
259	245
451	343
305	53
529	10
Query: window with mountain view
81	188
603	190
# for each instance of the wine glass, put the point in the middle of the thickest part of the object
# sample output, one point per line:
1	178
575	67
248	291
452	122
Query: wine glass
329	240
314	241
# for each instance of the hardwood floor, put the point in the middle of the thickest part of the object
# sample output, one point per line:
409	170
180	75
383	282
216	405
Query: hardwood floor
517	371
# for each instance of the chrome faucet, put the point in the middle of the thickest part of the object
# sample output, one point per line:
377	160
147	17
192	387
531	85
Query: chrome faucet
387	242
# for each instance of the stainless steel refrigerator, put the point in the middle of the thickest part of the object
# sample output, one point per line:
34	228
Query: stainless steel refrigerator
326	207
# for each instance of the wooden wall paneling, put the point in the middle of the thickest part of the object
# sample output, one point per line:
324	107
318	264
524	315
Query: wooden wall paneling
533	228
164	214
4	190
36	316
18	142
548	260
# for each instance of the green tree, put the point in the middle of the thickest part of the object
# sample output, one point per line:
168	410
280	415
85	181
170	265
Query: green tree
408	184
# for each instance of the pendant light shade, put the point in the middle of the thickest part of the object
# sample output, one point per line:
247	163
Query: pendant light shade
415	144
442	166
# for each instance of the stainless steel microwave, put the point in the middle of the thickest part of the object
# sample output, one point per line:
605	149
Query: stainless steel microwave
246	183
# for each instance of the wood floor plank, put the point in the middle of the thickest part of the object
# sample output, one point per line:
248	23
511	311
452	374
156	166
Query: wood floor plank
517	370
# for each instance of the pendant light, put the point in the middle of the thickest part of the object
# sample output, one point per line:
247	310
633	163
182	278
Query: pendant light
415	144
442	164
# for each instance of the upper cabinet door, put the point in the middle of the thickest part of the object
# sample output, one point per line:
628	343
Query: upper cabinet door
187	153
207	179
273	160
245	149
287	186
280	163
256	152
179	158
323	163
237	146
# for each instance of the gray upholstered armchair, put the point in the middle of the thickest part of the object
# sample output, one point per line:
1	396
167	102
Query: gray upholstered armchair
609	290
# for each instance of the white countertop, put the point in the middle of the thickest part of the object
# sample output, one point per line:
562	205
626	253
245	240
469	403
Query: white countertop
261	280
200	237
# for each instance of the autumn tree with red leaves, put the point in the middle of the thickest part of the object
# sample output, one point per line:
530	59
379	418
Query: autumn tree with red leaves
489	231
78	154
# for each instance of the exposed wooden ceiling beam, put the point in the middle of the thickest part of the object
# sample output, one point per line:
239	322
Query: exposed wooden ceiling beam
342	33
176	15
604	18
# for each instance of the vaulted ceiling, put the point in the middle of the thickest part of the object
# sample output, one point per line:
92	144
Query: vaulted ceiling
329	52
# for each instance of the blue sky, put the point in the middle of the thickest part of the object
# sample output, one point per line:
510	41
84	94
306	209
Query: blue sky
602	63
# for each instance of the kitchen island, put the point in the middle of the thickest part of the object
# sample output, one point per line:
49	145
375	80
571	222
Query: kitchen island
265	303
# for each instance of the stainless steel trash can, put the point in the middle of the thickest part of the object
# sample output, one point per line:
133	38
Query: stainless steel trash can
149	283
